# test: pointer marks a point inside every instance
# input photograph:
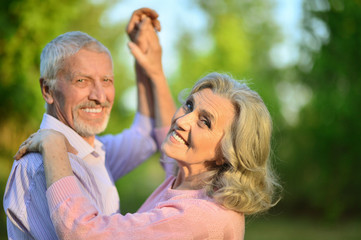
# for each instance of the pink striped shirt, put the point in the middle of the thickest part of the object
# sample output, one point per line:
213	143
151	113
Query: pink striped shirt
96	169
166	214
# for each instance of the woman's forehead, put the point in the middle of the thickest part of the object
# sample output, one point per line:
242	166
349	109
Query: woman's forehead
213	103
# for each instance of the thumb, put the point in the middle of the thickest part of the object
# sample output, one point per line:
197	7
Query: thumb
71	149
137	53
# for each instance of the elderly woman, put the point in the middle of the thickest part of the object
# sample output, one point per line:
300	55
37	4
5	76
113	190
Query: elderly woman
219	141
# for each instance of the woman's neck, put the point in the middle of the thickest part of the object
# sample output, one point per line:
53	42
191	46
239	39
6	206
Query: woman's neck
188	180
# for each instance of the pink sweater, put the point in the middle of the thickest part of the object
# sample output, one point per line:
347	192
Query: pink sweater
166	214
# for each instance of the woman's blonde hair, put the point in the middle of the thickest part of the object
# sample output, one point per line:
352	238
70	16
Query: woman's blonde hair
245	182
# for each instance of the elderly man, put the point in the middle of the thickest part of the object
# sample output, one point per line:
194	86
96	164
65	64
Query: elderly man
77	84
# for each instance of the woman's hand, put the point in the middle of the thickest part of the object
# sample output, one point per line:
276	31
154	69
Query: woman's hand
44	137
138	15
54	148
147	50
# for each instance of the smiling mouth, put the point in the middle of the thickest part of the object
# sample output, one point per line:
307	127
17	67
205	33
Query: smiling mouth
178	138
92	110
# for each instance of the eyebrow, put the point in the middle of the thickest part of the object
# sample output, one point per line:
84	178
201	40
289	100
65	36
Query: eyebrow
203	112
75	74
207	114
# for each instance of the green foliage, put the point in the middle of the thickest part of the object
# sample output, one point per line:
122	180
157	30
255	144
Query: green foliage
323	150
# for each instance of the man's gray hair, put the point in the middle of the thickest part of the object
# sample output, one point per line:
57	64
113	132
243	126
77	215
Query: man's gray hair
55	52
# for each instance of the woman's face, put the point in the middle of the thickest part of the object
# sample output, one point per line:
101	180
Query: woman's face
197	129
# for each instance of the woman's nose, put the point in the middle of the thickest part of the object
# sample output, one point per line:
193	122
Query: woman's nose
185	121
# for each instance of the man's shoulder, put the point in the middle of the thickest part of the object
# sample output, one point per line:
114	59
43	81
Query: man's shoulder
27	175
24	172
30	164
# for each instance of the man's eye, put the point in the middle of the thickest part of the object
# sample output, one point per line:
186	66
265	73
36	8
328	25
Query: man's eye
107	82
80	80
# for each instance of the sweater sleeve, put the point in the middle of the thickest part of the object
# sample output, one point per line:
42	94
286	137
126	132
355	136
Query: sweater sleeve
74	217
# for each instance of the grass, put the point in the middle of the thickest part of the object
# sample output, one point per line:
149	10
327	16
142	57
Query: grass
295	228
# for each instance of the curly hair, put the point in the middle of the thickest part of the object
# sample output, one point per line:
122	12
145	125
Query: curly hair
245	182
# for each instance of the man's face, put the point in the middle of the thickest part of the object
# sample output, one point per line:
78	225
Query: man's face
84	93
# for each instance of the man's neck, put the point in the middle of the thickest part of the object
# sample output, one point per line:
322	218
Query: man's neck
89	140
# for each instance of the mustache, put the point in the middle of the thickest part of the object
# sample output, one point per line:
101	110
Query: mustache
92	104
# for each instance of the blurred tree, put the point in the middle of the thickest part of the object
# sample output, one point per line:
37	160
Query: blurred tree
26	27
323	151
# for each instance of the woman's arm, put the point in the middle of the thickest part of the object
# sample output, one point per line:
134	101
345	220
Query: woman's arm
150	62
135	33
75	217
54	147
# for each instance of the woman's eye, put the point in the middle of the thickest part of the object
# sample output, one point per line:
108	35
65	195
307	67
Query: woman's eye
206	122
189	105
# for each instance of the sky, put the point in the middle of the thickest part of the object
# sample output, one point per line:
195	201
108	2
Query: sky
175	13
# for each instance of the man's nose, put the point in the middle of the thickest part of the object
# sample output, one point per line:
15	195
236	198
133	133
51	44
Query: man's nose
97	93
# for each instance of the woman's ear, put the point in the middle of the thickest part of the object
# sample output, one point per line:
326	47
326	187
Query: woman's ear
46	91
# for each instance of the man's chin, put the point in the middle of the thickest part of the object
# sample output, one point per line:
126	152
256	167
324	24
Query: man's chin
90	130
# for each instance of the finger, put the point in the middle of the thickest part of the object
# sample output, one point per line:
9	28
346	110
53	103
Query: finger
72	150
132	25
154	21
137	16
153	15
152	37
21	152
142	37
147	11
133	22
136	52
17	156
156	24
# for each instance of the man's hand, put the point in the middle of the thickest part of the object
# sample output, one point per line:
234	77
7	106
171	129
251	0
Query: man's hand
134	23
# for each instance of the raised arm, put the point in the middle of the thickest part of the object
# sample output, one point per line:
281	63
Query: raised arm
149	62
145	103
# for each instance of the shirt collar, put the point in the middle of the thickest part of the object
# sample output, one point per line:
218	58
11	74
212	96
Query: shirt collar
82	146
